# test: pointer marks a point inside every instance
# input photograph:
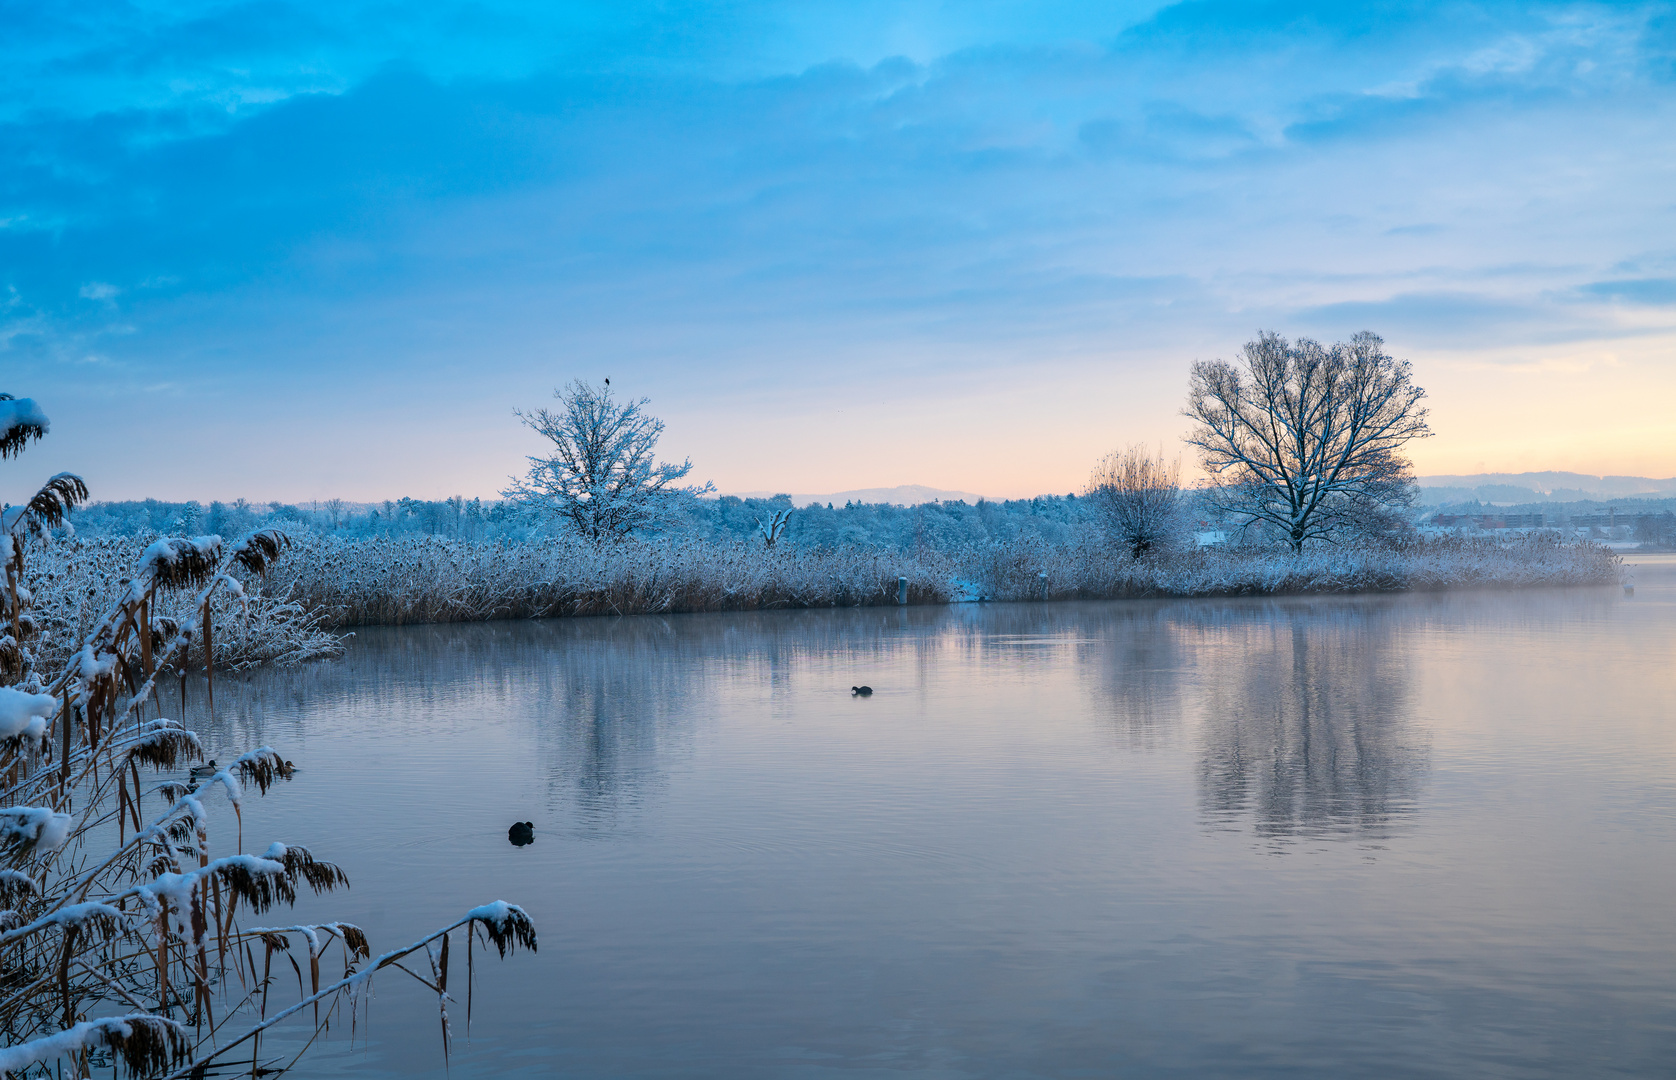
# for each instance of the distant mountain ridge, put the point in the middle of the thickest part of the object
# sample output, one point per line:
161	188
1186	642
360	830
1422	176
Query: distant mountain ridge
1540	487
901	495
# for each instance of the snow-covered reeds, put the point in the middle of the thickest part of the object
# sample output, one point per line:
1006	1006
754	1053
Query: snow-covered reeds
429	580
68	584
120	920
1089	569
121	930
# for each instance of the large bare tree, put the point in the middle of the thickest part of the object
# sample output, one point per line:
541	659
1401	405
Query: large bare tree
1305	438
601	478
1139	495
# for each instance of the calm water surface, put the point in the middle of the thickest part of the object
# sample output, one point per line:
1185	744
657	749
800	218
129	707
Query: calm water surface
1396	836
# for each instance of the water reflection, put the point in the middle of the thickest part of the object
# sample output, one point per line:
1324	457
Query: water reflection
1302	709
1307	718
1142	655
1028	852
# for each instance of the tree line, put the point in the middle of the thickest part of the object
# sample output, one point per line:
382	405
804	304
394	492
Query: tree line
1299	443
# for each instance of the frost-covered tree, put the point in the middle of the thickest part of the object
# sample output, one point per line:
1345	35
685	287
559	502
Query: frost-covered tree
601	479
1305	438
1138	494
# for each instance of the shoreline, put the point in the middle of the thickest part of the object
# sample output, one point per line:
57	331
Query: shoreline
322	587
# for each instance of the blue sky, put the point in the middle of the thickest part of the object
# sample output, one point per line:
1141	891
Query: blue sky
289	250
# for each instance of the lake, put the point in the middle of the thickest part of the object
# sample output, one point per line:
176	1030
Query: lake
1381	836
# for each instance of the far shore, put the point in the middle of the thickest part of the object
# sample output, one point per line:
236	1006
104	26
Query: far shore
323	586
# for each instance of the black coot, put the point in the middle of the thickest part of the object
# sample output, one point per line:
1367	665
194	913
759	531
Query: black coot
861	691
521	833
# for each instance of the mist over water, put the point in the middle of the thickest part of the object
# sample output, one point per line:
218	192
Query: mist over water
1415	835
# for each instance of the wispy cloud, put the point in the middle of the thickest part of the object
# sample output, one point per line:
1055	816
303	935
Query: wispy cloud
743	203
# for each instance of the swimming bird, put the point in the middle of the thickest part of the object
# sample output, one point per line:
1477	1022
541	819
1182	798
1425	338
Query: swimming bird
521	833
861	691
207	769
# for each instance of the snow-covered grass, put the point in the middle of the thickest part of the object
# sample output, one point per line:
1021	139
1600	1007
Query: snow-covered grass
425	579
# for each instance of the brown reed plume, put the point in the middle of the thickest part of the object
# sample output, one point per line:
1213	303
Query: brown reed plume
20	422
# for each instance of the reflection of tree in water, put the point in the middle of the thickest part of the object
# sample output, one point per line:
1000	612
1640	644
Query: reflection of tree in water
620	692
1307	718
1128	660
1306	703
610	697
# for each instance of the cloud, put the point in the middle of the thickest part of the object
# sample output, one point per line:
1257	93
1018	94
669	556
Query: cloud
1659	292
1463	319
722	200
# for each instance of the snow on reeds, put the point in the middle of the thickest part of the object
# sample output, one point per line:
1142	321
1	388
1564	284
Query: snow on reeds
1090	570
326	583
425	579
115	900
70	583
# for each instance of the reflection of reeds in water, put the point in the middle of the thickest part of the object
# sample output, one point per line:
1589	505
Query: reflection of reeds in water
612	696
1304	704
1301	709
1307	725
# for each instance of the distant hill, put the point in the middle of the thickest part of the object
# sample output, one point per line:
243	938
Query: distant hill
902	495
1512	488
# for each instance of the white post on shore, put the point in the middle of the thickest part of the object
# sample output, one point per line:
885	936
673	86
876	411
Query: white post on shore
1043	577
901	590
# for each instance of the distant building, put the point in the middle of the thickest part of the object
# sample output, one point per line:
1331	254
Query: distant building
1489	521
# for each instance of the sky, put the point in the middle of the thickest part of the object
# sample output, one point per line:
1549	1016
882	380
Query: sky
285	250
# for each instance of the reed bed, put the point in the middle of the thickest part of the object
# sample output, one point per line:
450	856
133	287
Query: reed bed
127	904
431	580
69	584
1090	569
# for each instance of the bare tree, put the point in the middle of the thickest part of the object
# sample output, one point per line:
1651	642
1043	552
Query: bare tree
776	525
1139	495
1305	438
601	479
